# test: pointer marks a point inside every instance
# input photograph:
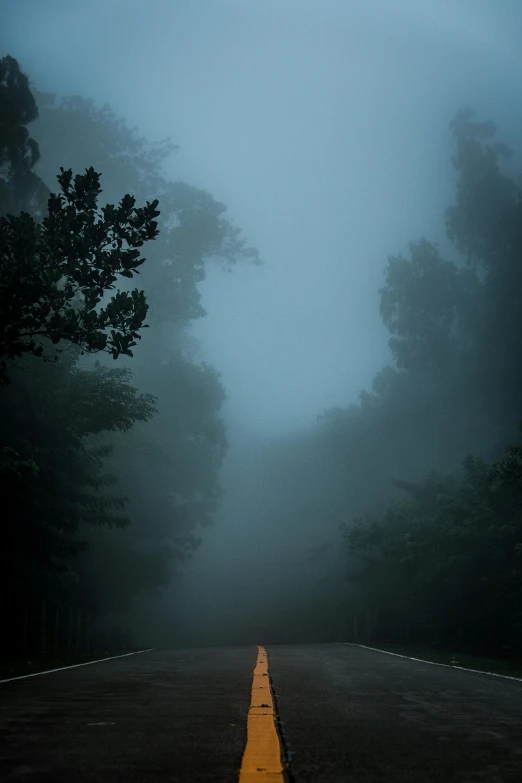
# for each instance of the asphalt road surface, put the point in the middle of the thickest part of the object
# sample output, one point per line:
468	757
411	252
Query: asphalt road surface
346	715
350	714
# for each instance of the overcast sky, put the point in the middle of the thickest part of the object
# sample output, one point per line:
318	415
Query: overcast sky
321	124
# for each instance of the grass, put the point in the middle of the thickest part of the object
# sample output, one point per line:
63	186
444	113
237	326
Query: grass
18	667
509	666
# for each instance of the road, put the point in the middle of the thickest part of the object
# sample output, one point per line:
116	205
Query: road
346	714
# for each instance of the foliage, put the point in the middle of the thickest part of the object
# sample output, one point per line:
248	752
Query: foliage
434	538
169	469
423	304
54	275
55	474
450	551
105	502
20	187
194	231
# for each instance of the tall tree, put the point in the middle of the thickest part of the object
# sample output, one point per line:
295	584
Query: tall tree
54	274
75	133
485	223
170	466
51	419
20	188
424	305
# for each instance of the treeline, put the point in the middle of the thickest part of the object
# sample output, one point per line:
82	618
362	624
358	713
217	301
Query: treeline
108	474
446	555
444	564
417	470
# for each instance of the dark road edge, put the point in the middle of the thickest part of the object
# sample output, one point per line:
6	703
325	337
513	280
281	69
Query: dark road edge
434	663
287	754
74	665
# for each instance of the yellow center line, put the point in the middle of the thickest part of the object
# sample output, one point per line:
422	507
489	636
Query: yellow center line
262	756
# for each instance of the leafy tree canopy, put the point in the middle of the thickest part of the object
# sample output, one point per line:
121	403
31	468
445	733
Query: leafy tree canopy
422	304
54	275
194	229
20	187
55	469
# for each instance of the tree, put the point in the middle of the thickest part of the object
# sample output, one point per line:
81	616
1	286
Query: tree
57	479
20	187
485	224
169	467
54	275
424	305
194	230
449	551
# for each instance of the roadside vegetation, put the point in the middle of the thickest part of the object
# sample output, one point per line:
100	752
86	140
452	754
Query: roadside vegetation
424	474
506	666
109	471
445	555
17	667
396	520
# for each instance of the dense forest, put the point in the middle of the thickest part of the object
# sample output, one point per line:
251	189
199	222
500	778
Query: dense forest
423	474
401	513
445	554
109	470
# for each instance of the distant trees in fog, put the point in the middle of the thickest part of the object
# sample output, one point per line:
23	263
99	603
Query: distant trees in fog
432	535
107	473
450	550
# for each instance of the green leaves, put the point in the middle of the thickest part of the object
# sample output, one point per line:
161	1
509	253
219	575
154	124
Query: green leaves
424	303
20	187
54	465
449	549
194	228
55	276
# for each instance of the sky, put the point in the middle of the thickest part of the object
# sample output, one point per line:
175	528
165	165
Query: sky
322	125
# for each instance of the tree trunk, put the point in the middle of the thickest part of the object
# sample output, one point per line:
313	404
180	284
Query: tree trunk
43	622
87	630
24	626
79	639
70	629
56	628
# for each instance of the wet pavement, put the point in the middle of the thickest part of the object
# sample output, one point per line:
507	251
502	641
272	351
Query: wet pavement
158	716
351	714
347	715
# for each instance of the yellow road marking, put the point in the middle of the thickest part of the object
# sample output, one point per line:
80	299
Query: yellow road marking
262	756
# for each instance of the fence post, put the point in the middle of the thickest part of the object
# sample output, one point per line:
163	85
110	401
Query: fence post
355	629
367	627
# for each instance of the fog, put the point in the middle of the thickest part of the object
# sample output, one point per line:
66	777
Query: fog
308	121
323	127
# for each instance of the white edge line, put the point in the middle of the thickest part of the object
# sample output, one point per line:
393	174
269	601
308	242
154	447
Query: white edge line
75	665
434	663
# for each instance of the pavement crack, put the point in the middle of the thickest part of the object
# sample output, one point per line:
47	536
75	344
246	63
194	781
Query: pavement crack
287	754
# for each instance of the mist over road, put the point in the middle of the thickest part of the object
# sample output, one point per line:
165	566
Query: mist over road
346	714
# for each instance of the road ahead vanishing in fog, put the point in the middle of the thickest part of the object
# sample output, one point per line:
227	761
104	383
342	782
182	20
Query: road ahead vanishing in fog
345	714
